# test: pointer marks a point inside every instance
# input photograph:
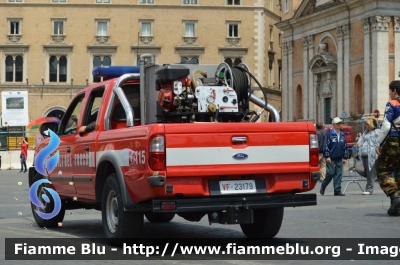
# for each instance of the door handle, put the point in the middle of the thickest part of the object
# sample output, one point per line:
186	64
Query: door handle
68	149
87	148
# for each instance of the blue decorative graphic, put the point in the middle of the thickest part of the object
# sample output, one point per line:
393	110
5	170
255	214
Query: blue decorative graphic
240	156
35	200
45	164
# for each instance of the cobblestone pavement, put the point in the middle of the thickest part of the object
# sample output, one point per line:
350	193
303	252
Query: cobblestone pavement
352	216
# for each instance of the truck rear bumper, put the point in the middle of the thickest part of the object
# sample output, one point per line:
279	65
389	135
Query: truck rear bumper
222	203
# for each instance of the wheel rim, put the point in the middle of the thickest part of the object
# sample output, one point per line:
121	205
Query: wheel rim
112	211
40	192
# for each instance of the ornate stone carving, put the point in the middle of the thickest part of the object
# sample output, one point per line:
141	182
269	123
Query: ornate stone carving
233	42
380	23
366	24
189	41
271	46
284	48
339	33
322	47
146	40
290	46
397	24
346	31
101	40
310	41
58	39
14	39
305	42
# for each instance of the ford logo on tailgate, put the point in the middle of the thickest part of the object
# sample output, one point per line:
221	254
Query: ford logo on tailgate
240	156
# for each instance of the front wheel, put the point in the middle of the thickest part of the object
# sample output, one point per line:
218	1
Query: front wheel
267	223
117	223
43	194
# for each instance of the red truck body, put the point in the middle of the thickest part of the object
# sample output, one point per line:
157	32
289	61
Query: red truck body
179	168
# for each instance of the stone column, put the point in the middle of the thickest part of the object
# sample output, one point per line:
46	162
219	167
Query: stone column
290	77
396	48
367	66
285	83
311	90
305	78
380	61
337	110
346	70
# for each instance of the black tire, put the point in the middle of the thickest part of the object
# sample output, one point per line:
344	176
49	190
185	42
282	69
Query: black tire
159	217
267	223
117	223
49	206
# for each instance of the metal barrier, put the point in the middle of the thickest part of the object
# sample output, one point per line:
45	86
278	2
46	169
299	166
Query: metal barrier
351	169
9	140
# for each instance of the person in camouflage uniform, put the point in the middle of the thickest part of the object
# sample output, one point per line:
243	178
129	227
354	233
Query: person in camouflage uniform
388	149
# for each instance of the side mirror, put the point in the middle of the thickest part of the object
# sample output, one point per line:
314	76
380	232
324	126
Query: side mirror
48	125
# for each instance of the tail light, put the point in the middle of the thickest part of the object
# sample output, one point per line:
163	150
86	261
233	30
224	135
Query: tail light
314	152
157	153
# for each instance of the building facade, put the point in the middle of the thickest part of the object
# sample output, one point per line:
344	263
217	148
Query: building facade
338	58
50	47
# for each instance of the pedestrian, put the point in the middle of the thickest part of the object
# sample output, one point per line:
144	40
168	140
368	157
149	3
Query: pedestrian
336	155
358	138
367	152
24	153
321	138
388	149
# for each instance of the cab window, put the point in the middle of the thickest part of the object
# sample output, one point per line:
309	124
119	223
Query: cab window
72	116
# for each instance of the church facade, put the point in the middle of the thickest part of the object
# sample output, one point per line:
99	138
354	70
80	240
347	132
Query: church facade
339	58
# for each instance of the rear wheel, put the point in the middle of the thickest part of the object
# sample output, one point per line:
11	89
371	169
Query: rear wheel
117	223
267	223
159	217
41	193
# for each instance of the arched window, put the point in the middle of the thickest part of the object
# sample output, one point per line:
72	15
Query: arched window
229	61
18	68
58	69
107	61
63	69
233	61
14	66
100	61
9	69
237	61
53	69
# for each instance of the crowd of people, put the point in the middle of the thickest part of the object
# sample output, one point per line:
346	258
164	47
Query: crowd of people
378	151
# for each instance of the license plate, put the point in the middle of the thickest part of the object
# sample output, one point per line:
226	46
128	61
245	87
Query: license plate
237	186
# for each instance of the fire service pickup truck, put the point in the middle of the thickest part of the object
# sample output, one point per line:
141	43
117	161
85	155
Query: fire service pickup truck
175	140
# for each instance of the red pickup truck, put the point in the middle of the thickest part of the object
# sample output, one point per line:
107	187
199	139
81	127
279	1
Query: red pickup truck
163	146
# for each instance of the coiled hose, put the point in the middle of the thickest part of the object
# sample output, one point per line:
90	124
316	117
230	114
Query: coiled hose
242	87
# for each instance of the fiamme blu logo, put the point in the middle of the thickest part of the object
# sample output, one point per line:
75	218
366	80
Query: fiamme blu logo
45	164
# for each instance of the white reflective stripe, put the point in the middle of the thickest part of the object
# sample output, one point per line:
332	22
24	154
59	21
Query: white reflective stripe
91	159
121	155
224	155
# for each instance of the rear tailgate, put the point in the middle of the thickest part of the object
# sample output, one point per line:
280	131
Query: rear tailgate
276	152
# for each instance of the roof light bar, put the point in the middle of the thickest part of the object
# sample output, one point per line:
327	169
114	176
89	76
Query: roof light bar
114	71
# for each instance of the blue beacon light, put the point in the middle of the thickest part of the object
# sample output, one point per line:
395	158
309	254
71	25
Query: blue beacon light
114	71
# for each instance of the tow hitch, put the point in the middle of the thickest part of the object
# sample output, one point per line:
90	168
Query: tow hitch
233	215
